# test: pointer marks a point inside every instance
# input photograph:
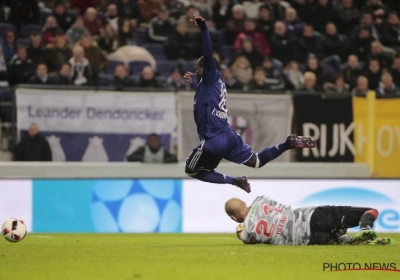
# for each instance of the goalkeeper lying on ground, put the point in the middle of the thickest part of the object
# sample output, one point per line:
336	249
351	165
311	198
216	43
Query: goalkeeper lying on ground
270	222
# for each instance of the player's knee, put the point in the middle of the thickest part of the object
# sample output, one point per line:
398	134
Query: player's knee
253	162
190	172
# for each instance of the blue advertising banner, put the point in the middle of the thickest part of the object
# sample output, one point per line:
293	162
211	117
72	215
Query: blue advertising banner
107	206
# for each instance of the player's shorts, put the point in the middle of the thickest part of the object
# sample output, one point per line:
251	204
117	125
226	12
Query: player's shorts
227	145
328	223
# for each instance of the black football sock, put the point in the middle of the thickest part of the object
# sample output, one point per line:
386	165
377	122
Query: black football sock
367	219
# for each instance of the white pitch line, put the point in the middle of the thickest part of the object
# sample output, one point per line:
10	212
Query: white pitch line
41	236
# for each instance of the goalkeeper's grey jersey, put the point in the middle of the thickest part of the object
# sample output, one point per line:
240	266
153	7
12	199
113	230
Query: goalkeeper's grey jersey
271	222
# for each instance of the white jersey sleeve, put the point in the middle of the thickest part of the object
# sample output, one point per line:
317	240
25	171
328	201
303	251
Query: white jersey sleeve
271	222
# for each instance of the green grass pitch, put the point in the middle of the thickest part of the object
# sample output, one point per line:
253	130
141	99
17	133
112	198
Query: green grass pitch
182	256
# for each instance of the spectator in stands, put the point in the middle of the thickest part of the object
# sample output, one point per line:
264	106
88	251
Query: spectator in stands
21	67
51	30
313	65
242	70
335	44
310	43
111	16
108	40
302	8
347	16
161	26
33	147
352	71
93	53
385	60
274	77
395	71
76	31
180	44
310	83
339	86
253	55
82	73
259	81
294	75
376	8
252	7
373	73
82	5
367	21
149	9
176	8
320	14
35	48
386	86
152	152
221	13
3	70
189	14
217	39
121	79
41	77
91	22
277	9
9	45
362	44
235	24
293	24
230	81
203	8
257	38
176	82
126	34
64	20
147	79
361	88
21	12
58	53
129	9
265	24
64	75
391	32
283	45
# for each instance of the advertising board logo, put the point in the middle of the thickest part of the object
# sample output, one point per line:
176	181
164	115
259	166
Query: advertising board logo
389	209
137	206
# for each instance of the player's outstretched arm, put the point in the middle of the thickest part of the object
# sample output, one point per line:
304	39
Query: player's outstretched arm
209	63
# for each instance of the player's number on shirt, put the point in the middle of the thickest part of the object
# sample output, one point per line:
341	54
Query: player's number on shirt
222	102
262	226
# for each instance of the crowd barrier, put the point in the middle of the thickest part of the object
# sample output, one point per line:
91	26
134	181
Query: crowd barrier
90	125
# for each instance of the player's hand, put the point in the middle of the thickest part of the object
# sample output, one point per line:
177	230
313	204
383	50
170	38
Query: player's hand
188	77
194	19
239	229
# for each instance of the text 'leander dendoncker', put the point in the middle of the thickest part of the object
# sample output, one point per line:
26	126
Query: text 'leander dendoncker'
92	113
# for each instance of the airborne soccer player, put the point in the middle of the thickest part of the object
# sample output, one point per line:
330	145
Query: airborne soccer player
270	222
217	139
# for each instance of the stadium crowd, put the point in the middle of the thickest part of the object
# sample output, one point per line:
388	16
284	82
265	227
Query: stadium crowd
338	46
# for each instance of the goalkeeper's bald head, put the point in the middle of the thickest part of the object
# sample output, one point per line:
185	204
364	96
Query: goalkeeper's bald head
236	209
